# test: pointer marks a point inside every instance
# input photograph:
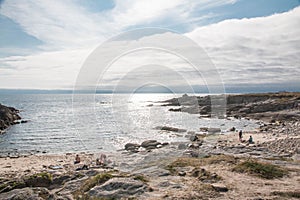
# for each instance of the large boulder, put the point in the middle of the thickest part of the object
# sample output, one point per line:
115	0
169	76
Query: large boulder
117	188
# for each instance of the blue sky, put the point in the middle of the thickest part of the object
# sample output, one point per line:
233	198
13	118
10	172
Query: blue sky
34	32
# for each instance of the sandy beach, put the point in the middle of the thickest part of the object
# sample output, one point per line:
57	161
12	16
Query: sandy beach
162	183
206	165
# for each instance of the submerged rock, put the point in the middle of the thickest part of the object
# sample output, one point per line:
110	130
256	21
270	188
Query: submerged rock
168	128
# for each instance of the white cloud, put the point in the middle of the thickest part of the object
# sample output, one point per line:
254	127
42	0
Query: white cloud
256	50
48	70
59	24
65	24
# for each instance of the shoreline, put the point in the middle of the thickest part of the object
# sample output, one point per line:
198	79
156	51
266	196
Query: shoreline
152	167
206	166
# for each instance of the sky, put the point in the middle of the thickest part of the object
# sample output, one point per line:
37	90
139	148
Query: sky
252	44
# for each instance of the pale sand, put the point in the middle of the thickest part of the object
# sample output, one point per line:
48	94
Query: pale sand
16	167
232	138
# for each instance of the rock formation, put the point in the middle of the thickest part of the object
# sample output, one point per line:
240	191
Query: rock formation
8	117
257	106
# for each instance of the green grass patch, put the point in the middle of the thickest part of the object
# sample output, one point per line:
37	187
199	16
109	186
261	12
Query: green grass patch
96	180
259	169
11	185
90	183
44	175
220	159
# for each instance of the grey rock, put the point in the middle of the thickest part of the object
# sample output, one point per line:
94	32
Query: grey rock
8	117
150	144
29	194
71	186
182	146
119	188
168	128
220	188
182	173
38	181
131	146
214	130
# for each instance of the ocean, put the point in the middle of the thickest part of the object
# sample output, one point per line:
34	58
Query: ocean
61	123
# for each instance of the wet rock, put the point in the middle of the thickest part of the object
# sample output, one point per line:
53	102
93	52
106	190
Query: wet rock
172	129
149	144
214	130
175	109
131	146
194	146
119	188
182	146
193	138
8	117
204	129
232	129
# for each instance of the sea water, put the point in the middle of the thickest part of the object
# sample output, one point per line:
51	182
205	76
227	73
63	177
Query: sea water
58	125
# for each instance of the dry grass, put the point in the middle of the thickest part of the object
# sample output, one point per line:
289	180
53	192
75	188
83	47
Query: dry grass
260	169
196	162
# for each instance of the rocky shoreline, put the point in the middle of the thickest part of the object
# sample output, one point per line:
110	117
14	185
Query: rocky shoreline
8	117
266	106
209	165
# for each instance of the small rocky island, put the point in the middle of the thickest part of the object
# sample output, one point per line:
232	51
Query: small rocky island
205	166
8	117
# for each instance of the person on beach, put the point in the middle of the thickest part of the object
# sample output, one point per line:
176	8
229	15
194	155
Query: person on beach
250	141
102	160
77	159
240	135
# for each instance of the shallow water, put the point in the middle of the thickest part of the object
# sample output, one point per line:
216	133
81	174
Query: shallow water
59	125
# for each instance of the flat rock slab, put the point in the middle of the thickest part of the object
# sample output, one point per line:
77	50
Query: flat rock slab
27	193
119	188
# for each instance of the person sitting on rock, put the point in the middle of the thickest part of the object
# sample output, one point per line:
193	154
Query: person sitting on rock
102	160
250	141
77	159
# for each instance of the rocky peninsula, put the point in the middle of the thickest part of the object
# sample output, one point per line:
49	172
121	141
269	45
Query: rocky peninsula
264	106
208	165
8	117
